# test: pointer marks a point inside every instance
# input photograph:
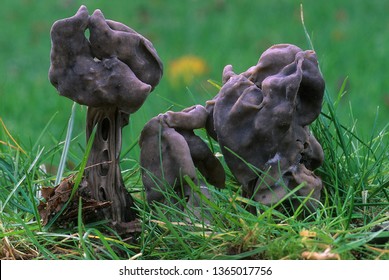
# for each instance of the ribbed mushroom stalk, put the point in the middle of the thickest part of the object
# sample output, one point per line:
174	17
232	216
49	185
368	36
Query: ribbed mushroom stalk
112	73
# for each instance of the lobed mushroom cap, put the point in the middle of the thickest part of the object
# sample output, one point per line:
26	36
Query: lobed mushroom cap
165	159
113	39
115	67
170	150
260	119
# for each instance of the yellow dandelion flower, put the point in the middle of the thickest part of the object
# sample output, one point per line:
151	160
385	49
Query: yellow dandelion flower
183	70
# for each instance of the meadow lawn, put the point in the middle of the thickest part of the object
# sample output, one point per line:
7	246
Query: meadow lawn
195	40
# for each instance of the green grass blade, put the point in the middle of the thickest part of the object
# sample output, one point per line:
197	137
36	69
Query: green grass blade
305	28
38	141
33	164
110	252
65	151
78	178
174	232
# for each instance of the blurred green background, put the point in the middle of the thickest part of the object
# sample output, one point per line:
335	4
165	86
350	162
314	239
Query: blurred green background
195	40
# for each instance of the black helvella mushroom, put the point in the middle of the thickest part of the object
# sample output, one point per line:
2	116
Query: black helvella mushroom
112	73
260	119
170	150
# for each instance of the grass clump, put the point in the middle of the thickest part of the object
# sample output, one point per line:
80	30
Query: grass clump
346	225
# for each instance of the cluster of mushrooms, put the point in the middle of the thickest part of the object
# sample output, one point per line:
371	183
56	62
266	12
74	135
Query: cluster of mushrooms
260	118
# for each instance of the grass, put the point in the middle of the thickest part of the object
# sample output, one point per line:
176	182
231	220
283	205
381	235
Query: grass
354	203
355	200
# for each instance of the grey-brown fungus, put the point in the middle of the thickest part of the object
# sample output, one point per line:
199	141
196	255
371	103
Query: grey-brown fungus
112	73
260	119
170	150
115	68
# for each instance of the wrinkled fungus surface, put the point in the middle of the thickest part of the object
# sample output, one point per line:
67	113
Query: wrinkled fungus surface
170	150
260	119
115	67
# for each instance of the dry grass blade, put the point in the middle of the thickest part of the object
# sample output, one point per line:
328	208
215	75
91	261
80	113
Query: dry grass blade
10	136
17	250
325	255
